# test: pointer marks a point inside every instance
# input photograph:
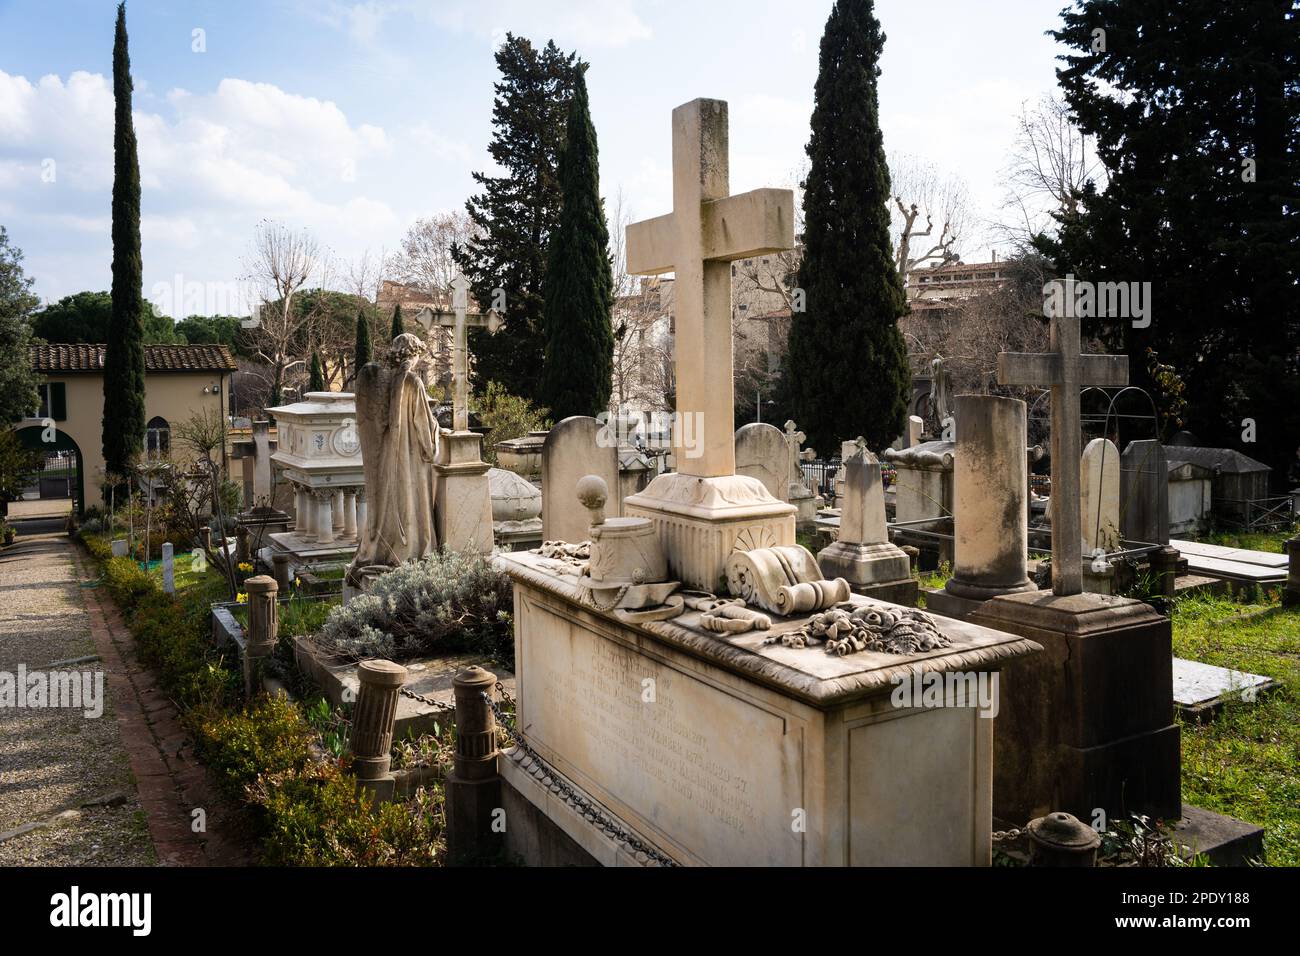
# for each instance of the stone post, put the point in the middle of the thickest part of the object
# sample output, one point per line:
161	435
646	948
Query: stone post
241	544
372	725
280	566
169	567
1164	568
1060	839
349	513
263	624
1291	596
991	534
205	538
473	788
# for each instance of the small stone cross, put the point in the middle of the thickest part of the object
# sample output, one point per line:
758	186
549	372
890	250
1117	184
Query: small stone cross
459	320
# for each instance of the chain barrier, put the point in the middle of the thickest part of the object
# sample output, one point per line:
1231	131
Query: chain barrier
558	785
428	701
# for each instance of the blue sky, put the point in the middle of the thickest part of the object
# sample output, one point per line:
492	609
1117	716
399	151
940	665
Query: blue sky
355	119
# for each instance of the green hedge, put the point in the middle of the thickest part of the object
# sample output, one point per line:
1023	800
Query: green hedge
264	752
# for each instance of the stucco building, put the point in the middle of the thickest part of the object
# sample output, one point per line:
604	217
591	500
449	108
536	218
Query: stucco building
181	381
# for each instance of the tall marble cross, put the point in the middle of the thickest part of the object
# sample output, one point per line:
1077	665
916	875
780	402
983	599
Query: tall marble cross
1066	370
707	230
459	320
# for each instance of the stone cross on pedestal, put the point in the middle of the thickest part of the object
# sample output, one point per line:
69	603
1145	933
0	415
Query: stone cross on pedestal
1066	370
706	230
794	439
460	320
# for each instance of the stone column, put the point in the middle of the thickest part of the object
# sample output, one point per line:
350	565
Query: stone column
304	511
473	789
263	623
324	516
991	536
349	512
372	725
280	564
336	509
1291	596
168	568
361	512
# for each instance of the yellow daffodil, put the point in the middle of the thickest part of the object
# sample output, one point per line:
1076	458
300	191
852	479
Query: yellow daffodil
241	598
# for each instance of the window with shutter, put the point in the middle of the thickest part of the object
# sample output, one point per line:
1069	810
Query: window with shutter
58	401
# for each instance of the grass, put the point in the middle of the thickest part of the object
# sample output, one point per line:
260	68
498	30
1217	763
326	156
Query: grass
1272	541
1246	762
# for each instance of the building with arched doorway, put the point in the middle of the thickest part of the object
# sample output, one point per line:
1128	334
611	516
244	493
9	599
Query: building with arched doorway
181	381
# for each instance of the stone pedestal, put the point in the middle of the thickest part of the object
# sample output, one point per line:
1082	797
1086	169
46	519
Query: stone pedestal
700	521
464	500
863	554
280	569
990	481
1088	723
263	628
736	752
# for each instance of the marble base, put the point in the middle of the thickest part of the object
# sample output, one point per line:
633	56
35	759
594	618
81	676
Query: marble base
700	521
306	551
464	498
746	753
1089	723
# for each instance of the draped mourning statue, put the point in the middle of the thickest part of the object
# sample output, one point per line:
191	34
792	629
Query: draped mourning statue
398	434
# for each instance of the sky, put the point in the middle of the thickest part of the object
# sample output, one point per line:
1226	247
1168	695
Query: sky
356	119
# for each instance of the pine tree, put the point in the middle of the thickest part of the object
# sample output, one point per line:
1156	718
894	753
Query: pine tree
1196	117
316	377
847	372
517	213
363	353
397	323
123	422
577	373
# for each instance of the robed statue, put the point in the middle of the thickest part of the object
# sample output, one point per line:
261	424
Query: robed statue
399	435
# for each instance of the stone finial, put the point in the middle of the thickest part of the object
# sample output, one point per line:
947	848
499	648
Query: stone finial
1060	839
593	492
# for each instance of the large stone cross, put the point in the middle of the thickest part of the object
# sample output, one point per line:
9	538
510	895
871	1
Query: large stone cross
707	229
459	320
1066	370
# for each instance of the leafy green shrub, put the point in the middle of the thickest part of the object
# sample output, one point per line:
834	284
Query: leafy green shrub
448	601
100	548
509	416
269	736
126	582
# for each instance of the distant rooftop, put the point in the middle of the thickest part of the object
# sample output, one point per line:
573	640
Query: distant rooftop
157	358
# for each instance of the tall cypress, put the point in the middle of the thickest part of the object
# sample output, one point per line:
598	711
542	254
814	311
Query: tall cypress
316	377
577	374
847	372
363	353
123	422
397	322
516	213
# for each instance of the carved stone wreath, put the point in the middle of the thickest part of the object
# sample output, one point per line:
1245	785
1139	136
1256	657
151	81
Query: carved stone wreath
850	628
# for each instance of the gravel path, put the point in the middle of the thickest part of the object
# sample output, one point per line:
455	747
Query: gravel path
57	759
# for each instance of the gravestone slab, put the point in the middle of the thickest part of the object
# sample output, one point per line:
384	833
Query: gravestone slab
863	555
1201	690
1099	474
761	453
574	448
1144	493
119	547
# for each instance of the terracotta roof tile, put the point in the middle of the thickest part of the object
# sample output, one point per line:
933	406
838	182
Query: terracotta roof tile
59	357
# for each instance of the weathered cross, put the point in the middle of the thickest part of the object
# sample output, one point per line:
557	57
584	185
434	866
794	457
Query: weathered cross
460	319
707	229
794	440
1066	370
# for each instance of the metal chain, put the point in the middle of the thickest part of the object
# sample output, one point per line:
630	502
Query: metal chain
590	811
427	701
1003	836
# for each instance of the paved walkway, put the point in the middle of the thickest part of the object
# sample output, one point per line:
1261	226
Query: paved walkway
136	754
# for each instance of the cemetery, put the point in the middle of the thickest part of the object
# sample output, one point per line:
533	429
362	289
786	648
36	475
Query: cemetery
525	571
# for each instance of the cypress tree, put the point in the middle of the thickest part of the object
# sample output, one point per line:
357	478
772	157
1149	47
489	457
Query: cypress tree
364	353
847	372
316	377
123	421
516	213
397	323
577	373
